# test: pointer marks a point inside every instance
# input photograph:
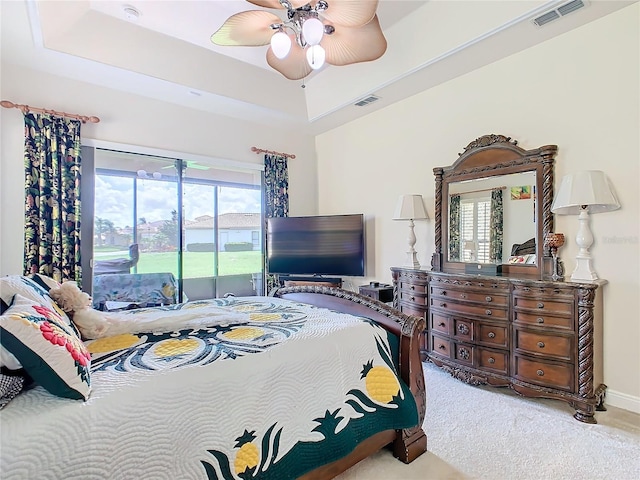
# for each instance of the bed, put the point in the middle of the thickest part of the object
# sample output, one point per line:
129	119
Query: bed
300	384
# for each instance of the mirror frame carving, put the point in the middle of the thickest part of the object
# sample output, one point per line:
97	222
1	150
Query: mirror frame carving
487	156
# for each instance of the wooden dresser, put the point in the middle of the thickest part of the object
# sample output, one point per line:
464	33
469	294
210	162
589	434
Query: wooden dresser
540	338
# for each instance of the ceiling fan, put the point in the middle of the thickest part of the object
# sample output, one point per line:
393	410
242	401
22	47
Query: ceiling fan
338	32
190	164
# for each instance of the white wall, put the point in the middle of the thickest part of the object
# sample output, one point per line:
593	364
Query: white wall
579	91
132	120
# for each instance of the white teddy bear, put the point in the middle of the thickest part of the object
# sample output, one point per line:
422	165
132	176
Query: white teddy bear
91	323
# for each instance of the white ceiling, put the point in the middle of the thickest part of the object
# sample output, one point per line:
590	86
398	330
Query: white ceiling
167	53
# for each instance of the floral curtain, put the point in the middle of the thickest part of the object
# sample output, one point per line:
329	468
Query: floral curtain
454	228
276	186
52	197
496	226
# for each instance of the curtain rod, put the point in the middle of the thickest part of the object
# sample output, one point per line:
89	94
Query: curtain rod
481	190
260	150
26	109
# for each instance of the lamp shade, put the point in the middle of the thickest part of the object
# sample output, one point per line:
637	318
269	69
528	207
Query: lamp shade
410	207
591	188
280	44
315	56
312	31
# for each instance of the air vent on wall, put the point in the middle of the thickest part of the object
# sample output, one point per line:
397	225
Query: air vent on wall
367	101
559	12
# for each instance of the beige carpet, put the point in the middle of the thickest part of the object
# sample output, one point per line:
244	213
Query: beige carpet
493	434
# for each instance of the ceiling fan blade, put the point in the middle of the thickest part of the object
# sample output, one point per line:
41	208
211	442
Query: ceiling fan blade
276	3
250	29
350	13
294	66
197	166
190	164
353	45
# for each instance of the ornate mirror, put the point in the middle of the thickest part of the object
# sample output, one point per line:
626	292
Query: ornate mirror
493	208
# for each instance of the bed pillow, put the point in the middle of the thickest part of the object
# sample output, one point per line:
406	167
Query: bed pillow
35	288
49	350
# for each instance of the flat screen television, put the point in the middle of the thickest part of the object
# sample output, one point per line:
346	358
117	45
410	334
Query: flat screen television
318	245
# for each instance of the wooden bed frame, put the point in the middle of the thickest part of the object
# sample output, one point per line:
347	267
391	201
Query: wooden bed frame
406	444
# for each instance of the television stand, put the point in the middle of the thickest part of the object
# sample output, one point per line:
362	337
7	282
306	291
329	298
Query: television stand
295	280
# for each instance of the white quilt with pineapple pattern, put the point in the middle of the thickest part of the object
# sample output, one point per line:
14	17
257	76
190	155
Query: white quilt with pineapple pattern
272	391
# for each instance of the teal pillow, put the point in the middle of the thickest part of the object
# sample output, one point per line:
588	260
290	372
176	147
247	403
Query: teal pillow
49	349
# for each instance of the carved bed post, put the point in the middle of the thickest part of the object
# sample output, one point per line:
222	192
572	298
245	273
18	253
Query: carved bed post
412	442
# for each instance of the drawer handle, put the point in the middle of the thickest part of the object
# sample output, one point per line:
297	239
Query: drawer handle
488	312
527	289
443	305
463	295
441	324
488	299
442	347
443	293
412	298
492	360
540	305
540	320
412	287
491	335
541	344
540	373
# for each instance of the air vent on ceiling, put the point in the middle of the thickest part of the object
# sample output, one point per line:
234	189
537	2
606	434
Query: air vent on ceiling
561	11
367	101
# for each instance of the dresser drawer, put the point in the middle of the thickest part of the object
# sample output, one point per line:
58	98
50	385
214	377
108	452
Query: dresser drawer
499	313
414	310
440	323
494	335
440	346
544	373
493	360
464	353
484	298
412	297
543	305
462	329
413	287
557	346
543	320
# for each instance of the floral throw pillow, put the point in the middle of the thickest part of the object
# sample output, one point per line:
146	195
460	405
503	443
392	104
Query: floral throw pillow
35	288
49	349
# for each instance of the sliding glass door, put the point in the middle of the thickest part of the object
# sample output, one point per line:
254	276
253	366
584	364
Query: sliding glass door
203	224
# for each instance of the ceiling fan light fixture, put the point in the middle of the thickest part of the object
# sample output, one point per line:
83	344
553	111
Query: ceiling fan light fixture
280	44
349	31
312	31
315	56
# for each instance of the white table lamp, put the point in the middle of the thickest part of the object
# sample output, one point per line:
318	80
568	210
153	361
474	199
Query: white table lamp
582	193
411	207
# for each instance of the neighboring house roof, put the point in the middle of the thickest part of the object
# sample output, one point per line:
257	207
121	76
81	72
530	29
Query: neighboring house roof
149	227
226	221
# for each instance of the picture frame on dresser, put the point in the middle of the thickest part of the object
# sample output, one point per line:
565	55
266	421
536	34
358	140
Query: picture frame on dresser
512	326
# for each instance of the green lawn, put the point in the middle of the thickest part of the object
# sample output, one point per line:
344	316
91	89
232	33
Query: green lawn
197	264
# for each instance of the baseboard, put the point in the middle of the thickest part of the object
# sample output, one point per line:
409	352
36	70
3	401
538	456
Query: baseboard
622	400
